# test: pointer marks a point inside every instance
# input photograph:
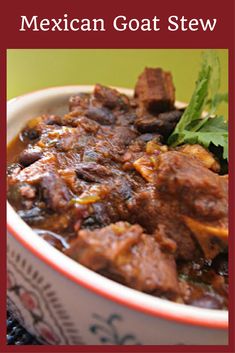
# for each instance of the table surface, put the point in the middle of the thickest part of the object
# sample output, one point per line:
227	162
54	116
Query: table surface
17	335
32	69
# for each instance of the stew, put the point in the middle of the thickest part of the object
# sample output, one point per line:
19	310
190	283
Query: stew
101	185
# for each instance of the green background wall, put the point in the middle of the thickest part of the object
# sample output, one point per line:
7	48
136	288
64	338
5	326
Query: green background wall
29	70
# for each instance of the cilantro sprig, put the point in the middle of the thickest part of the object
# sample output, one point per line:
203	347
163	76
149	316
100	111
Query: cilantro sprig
209	129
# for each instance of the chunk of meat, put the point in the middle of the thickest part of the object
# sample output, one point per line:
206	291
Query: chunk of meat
163	123
36	126
33	173
155	91
204	156
79	102
68	159
67	138
83	104
30	155
103	116
21	194
126	118
109	201
152	212
165	243
195	197
108	145
92	172
123	136
83	124
201	198
125	251
55	192
111	98
62	138
200	192
39	181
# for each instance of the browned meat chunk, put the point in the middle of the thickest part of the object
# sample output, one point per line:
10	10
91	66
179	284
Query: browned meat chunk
201	197
30	155
55	192
163	123
110	200
153	213
36	126
201	192
123	251
155	91
21	194
79	103
195	197
103	116
92	172
111	98
33	173
82	104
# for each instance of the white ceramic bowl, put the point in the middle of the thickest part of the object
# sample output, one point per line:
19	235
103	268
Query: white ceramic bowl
62	302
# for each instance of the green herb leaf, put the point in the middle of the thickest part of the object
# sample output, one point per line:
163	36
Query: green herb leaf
215	131
213	61
192	128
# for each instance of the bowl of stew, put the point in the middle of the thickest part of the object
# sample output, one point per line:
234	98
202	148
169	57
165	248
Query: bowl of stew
114	237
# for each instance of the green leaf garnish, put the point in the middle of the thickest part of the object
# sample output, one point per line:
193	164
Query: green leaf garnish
211	129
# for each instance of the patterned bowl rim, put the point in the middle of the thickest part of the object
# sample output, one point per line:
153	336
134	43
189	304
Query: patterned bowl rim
118	293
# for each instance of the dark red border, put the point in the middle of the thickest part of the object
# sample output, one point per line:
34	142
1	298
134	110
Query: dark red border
222	37
2	203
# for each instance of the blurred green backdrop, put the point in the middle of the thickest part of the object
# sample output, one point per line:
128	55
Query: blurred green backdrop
32	69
